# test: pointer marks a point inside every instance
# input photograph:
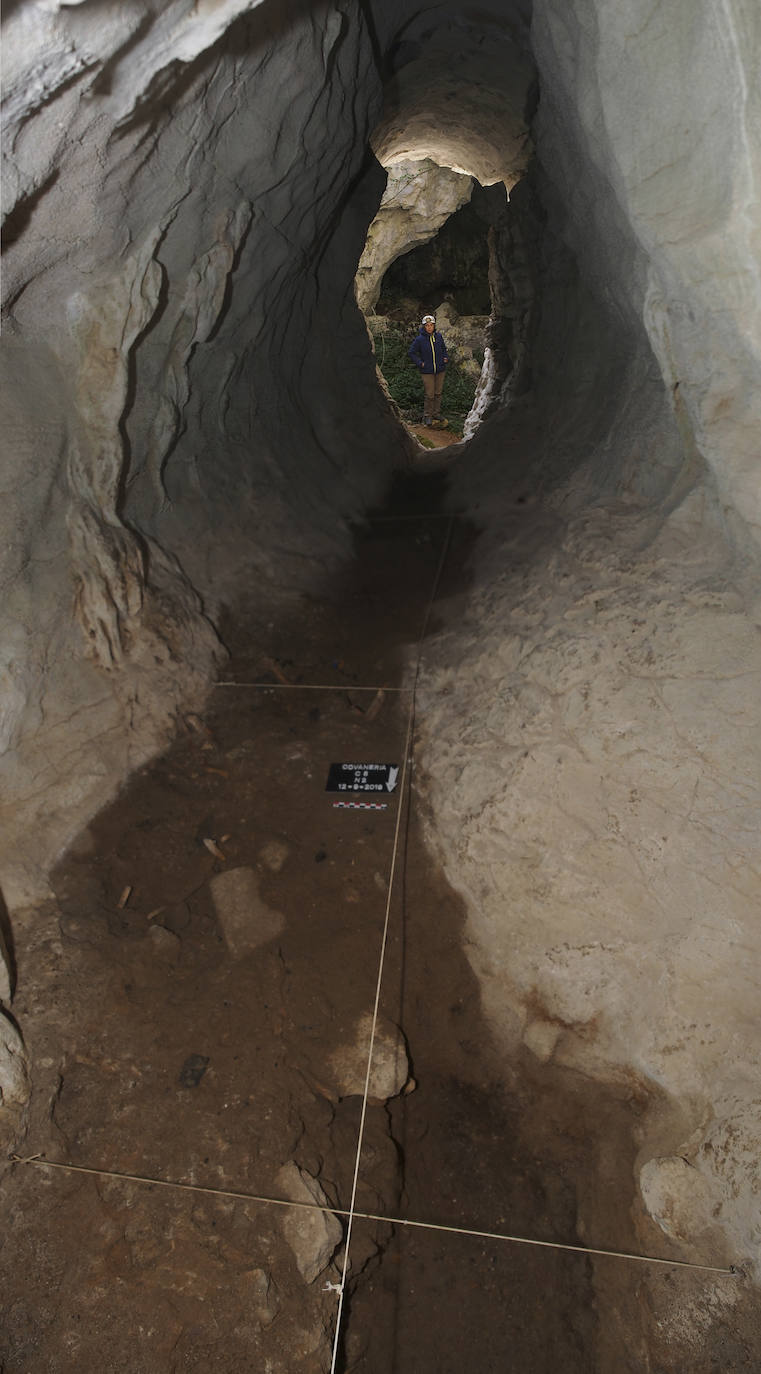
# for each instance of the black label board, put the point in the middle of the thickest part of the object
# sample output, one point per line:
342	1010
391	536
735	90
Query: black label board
362	777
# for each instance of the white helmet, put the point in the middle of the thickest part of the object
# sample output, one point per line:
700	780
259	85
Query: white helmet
428	319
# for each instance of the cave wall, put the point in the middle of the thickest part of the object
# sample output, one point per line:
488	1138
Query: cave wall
191	405
592	738
663	203
180	248
417	203
455	265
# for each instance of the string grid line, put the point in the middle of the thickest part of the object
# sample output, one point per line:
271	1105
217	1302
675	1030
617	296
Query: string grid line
311	687
384	943
352	1213
733	1271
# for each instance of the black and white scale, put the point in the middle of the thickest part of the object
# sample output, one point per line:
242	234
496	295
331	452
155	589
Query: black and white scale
362	777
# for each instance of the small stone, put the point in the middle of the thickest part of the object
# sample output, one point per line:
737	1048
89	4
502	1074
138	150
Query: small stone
273	855
6	981
541	1037
262	1294
14	1081
390	1068
164	942
246	920
193	1070
313	1236
679	1198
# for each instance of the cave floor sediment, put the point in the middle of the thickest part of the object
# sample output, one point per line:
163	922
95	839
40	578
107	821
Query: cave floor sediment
159	1049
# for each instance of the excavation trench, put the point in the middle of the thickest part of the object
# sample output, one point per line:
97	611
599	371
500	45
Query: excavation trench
195	424
165	1046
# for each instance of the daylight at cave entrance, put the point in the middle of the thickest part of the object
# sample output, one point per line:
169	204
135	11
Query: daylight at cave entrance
230	565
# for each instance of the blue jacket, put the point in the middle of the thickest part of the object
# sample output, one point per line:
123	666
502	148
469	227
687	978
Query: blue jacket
428	351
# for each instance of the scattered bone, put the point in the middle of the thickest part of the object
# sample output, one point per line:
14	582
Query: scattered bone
375	705
272	666
214	849
122	902
200	728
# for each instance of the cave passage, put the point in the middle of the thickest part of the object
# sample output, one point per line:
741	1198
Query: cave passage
447	274
218	548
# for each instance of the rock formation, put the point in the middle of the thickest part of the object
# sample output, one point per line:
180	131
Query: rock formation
190	407
418	199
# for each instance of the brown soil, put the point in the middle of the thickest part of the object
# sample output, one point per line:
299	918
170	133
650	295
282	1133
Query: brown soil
156	1052
438	438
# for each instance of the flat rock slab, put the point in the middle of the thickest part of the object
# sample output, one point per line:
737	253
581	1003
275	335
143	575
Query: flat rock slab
313	1236
390	1067
247	921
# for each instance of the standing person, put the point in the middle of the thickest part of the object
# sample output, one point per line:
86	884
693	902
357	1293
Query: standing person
429	352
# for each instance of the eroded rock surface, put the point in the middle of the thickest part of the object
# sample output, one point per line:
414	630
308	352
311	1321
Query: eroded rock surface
418	199
313	1235
592	760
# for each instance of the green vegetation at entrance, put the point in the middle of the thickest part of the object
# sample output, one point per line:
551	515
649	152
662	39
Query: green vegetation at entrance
403	378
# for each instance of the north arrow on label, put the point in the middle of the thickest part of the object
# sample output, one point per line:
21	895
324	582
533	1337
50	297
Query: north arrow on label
362	777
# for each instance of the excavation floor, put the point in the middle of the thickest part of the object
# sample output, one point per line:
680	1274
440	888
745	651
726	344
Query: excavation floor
169	1045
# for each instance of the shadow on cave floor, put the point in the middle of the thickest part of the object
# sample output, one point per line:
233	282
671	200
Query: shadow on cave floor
180	1033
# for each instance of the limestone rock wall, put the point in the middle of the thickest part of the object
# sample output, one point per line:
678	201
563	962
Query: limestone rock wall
180	245
594	757
663	203
419	198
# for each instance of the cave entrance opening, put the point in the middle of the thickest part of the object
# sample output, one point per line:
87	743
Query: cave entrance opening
430	250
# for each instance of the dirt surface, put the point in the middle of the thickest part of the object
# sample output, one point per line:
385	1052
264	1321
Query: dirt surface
162	1049
436	438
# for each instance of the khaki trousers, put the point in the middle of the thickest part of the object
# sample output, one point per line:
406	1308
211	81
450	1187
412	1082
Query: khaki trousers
433	385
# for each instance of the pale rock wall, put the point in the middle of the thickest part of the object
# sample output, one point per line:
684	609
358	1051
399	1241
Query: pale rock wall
460	87
418	199
591	737
592	732
664	203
